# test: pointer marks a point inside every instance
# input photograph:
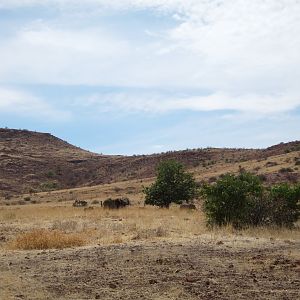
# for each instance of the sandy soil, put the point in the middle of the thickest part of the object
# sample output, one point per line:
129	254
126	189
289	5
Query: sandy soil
194	268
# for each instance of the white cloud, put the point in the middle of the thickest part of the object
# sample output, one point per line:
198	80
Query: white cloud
155	103
24	104
42	54
245	52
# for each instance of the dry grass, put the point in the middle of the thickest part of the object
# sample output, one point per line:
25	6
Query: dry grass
70	226
100	226
273	232
46	239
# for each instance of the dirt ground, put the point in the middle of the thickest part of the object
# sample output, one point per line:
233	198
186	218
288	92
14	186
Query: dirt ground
194	268
144	253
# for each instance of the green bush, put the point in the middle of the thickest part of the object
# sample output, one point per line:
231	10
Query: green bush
173	184
285	206
241	200
50	174
230	199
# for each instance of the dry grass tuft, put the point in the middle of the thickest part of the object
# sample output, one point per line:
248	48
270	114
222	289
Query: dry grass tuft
45	239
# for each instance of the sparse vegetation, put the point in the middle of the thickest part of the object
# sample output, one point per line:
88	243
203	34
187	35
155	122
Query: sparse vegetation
55	164
271	164
49	186
162	233
50	174
285	170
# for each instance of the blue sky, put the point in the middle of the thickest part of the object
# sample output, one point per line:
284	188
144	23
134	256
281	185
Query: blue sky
144	76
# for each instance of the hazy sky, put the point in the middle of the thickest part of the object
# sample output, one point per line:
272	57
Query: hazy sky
144	76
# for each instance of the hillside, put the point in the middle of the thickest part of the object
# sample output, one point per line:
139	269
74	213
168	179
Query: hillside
36	162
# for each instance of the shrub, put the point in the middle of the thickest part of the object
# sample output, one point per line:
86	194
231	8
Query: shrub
285	206
49	186
242	201
7	196
285	170
258	213
32	190
271	164
172	184
229	200
262	177
50	174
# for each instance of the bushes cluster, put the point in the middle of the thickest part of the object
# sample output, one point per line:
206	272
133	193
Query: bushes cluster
242	200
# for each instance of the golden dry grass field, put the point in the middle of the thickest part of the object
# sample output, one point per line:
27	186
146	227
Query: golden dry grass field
56	251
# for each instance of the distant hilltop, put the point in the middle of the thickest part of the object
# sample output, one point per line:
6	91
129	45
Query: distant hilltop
33	162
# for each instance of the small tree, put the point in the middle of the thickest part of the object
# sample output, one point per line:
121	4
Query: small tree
173	184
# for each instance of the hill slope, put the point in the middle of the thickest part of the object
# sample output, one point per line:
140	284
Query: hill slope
32	161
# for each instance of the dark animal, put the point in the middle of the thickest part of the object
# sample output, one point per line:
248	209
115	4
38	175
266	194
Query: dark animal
116	203
80	203
187	206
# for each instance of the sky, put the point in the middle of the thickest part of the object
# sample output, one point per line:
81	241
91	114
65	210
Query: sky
148	76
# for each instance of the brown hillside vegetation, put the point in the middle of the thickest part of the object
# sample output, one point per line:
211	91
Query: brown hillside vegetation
33	162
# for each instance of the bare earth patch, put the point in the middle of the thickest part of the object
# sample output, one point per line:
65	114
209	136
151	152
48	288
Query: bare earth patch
199	268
